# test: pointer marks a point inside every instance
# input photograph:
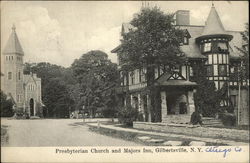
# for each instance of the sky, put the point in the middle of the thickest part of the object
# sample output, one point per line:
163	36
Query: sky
61	31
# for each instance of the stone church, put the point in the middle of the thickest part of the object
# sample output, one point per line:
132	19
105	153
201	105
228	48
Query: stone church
23	90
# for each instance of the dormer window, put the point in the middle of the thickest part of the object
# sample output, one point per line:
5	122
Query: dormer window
185	40
207	47
222	46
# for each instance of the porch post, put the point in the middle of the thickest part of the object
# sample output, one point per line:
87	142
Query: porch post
131	101
191	102
148	108
34	105
142	102
163	106
139	102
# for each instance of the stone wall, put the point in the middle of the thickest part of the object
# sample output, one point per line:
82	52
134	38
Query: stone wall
184	119
230	134
244	105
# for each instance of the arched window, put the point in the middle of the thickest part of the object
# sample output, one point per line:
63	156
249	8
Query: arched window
9	75
19	75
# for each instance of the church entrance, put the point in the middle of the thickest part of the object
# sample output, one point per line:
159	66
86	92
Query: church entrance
31	107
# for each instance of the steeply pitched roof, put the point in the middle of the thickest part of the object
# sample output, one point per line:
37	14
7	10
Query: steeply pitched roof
192	50
30	78
13	45
213	24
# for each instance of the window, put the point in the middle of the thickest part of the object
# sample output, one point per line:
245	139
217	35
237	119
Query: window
220	58
207	47
222	46
19	98
185	40
122	78
215	59
215	70
132	77
9	75
210	59
232	69
233	100
191	72
143	74
209	70
12	57
125	80
19	75
223	70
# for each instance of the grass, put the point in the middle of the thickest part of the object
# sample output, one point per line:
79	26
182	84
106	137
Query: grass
243	127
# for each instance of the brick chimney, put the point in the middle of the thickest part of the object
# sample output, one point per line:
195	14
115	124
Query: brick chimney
182	17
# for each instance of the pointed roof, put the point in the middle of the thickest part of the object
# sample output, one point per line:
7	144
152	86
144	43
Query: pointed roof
213	25
13	45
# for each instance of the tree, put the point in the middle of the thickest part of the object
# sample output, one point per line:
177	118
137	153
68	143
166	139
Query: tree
57	99
153	41
6	106
244	73
96	76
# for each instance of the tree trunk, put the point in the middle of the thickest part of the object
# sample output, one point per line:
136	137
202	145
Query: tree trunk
150	75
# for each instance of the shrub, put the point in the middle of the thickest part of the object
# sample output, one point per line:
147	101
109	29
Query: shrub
127	115
6	106
196	118
228	119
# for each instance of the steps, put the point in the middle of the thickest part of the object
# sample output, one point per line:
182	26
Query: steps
211	122
34	117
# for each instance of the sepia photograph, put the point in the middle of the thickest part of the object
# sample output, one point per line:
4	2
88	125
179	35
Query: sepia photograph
125	78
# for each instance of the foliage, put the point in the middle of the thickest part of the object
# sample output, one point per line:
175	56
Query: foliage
244	72
97	77
57	99
127	115
206	98
196	118
6	106
153	41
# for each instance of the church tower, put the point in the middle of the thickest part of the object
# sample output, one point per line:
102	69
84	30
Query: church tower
13	69
214	44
